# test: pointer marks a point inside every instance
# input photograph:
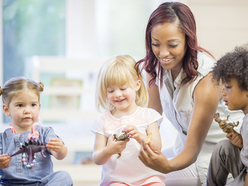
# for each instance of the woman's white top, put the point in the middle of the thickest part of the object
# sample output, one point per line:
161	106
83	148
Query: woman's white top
178	103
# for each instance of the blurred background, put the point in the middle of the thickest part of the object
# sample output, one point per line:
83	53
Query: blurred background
64	42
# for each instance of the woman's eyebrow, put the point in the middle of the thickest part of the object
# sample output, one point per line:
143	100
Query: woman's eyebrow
168	40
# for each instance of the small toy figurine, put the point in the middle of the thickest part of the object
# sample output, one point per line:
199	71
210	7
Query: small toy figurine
149	137
121	138
226	127
30	149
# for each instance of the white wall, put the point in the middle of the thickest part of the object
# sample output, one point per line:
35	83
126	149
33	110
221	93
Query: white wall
221	24
93	27
80	28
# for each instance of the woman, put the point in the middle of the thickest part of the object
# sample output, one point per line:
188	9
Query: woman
180	85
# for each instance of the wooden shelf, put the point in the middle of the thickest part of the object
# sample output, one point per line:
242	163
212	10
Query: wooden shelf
65	91
43	64
60	114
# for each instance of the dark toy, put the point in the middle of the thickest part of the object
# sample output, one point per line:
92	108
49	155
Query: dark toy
30	149
121	138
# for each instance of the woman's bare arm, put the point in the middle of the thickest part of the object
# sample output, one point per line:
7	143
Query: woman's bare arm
206	98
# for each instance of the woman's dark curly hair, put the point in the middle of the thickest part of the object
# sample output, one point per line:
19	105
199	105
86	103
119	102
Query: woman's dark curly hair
233	65
169	12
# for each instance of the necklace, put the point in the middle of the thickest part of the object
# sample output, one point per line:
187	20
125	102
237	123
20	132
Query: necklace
25	162
32	136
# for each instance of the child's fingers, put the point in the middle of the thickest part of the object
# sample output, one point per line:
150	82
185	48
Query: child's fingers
5	160
229	136
8	157
54	140
126	130
55	148
112	138
235	140
54	145
5	157
129	128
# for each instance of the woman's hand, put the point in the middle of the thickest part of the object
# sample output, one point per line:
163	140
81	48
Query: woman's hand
154	158
236	139
4	161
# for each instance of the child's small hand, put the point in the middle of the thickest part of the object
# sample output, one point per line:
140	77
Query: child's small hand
115	147
55	144
236	139
132	131
5	161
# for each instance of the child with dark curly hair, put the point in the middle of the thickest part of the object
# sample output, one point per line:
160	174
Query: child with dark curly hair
231	156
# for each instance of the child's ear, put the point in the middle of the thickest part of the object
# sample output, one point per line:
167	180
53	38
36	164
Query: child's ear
138	84
6	110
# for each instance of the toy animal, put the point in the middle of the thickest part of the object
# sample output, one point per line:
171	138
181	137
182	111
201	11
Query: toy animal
226	127
30	149
121	138
149	138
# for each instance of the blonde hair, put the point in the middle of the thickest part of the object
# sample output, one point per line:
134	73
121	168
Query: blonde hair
118	70
16	85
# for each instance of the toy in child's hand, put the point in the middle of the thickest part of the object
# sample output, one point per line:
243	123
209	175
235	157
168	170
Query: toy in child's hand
30	149
226	127
149	137
121	138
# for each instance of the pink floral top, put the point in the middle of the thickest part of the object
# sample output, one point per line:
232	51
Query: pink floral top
128	168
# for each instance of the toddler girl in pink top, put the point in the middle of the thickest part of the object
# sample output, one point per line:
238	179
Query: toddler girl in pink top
121	93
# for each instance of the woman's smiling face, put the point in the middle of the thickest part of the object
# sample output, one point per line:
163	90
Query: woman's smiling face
169	46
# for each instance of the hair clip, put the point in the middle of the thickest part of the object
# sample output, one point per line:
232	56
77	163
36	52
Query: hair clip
139	77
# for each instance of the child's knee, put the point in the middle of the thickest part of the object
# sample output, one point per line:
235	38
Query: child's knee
224	147
65	176
63	173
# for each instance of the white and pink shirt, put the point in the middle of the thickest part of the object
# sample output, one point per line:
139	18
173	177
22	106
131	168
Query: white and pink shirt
128	168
